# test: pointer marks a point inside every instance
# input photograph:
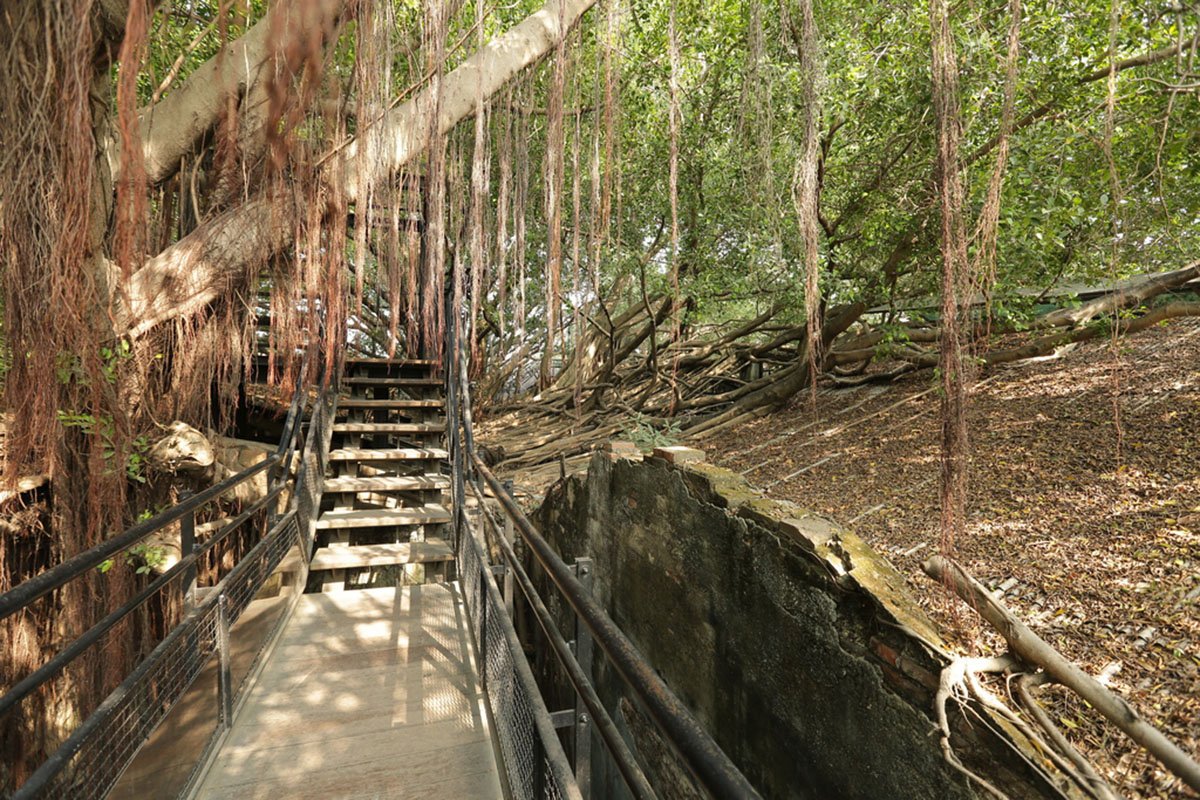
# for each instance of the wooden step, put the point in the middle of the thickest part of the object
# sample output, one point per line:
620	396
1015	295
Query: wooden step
389	427
430	514
393	454
381	555
359	402
427	382
394	362
388	483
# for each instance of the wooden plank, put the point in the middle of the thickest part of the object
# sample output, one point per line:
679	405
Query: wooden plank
367	685
439	746
327	660
388	483
430	514
381	555
395	362
463	771
390	427
396	454
392	710
369	381
293	722
359	402
394	602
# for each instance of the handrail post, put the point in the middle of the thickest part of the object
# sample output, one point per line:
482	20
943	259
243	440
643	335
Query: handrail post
584	568
224	670
274	477
509	580
187	546
539	769
483	615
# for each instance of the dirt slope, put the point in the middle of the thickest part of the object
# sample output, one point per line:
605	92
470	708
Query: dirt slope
1084	511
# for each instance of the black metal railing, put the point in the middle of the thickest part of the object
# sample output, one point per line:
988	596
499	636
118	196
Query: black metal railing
710	767
91	760
590	711
533	761
705	760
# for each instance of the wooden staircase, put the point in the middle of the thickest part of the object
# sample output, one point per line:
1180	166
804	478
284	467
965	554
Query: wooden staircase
385	518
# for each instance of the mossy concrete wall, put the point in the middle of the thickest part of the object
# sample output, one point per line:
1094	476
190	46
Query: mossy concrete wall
791	641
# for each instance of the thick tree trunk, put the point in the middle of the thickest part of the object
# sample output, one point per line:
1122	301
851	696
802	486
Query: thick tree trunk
226	251
174	126
206	264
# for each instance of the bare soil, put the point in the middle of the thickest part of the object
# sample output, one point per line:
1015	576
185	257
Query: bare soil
1084	514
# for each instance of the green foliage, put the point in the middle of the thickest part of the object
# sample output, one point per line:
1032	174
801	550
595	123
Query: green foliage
741	138
741	111
143	558
643	433
135	462
105	429
894	336
111	358
146	557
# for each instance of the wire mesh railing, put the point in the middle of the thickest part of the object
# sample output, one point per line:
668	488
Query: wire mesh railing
532	756
201	665
90	762
533	761
519	712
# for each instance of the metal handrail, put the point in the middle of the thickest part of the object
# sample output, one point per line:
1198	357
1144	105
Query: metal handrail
51	579
551	748
704	759
545	743
55	665
635	778
57	760
707	762
59	575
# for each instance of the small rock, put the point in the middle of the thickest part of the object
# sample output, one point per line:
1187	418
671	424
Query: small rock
677	454
622	449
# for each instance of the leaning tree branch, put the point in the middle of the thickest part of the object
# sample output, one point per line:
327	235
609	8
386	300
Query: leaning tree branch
1130	296
406	127
229	248
1048	344
172	127
1034	650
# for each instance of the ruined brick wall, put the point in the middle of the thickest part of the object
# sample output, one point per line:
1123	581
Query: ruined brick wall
792	642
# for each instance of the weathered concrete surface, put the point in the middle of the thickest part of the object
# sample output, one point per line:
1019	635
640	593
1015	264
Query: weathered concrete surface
793	643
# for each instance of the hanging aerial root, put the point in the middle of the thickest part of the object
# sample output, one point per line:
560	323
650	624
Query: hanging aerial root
953	684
